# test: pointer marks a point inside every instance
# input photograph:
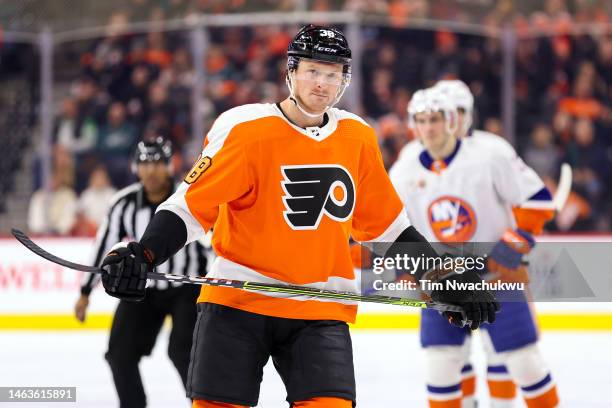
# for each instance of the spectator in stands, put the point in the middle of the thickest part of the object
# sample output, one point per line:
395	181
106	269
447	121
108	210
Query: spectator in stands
64	166
92	102
159	111
503	12
179	79
116	141
390	130
563	124
180	72
93	203
555	8
75	133
53	211
542	155
67	132
378	99
367	6
582	103
587	157
603	62
135	93
446	60
106	63
156	53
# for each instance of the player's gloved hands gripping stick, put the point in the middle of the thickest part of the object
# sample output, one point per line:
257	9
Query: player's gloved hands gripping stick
478	306
127	265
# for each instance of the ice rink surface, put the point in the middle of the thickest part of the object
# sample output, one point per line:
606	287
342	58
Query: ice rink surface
388	366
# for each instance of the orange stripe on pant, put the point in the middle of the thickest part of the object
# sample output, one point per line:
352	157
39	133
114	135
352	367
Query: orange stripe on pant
453	403
468	386
323	402
502	389
214	404
317	402
549	399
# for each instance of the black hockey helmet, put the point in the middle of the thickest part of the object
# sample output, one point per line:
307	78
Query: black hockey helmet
152	150
319	43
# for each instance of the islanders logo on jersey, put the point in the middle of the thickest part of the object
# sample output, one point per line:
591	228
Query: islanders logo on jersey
452	219
314	190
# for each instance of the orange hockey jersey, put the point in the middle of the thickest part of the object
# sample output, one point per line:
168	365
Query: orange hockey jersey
284	202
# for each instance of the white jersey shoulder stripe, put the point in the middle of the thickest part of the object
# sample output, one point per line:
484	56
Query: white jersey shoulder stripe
394	230
496	143
343	115
228	120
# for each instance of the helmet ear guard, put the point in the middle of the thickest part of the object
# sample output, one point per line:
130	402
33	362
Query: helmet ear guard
452	120
461	95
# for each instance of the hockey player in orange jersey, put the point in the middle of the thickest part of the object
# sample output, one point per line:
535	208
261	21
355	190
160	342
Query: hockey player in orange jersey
285	185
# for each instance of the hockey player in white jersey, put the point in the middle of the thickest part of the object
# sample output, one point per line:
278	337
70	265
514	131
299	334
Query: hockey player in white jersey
530	216
461	191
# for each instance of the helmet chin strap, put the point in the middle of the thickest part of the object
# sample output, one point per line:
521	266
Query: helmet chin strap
467	123
310	115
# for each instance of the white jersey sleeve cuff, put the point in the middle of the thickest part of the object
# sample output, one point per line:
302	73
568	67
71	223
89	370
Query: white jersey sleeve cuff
398	226
177	204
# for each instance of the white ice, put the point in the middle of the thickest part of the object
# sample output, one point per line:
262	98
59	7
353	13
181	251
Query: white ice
388	366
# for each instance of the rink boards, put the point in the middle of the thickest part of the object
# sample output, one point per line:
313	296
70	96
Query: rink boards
36	294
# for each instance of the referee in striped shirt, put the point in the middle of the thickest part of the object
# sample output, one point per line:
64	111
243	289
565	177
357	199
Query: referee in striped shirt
136	324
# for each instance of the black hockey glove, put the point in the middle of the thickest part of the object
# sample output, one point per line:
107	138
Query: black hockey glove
126	267
479	306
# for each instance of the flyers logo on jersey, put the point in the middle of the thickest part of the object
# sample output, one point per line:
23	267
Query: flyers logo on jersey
314	190
452	219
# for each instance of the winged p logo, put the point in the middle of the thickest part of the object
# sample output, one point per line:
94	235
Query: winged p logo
316	189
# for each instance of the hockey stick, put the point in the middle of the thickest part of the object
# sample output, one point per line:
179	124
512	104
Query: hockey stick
250	286
564	187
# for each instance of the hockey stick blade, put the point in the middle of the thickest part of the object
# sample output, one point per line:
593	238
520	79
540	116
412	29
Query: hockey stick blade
250	286
564	187
28	243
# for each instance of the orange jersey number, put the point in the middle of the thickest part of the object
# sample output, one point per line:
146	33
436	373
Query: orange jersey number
198	169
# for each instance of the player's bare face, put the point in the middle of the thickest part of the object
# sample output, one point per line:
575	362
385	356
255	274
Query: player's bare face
432	131
316	84
154	177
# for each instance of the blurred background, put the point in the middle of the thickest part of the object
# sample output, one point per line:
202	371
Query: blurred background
82	81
